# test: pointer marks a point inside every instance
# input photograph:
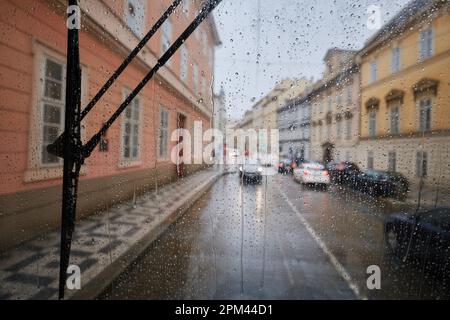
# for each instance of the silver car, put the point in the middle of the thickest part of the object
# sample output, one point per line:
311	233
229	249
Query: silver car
312	173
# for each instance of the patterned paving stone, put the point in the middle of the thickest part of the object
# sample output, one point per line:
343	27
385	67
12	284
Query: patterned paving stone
103	235
93	242
86	264
5	296
80	253
131	232
24	262
44	294
25	278
52	265
111	246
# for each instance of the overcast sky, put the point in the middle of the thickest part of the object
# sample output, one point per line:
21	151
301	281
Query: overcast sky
293	39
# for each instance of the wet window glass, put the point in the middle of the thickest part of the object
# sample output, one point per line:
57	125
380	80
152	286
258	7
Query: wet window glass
224	149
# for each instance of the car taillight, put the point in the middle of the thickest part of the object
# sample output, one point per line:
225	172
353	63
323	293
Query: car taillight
325	173
306	172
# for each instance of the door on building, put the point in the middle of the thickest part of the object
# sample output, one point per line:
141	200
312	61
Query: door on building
327	148
181	123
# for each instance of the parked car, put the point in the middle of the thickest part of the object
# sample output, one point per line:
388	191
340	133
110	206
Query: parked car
251	170
425	234
312	173
343	172
399	185
268	159
286	166
381	183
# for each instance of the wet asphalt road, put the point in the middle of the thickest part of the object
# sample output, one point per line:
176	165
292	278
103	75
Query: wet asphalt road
275	240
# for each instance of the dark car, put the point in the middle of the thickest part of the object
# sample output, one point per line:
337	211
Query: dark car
399	185
381	183
251	171
343	172
424	235
286	166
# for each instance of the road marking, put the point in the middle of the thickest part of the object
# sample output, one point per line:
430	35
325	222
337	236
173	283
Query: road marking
286	265
334	261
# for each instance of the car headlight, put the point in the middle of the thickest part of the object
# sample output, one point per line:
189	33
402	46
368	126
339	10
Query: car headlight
240	168
260	169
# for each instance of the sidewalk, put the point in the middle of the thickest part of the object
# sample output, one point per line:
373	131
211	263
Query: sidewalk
103	244
428	196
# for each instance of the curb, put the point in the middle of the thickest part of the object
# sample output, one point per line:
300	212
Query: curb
397	205
96	285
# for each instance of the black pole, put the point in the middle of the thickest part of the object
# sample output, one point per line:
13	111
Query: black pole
72	152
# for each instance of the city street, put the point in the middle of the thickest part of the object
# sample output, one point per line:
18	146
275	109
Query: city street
275	240
224	150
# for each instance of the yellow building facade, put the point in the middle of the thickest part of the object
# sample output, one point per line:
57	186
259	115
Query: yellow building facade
405	96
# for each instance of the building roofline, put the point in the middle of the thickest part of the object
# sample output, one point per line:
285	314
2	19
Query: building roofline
409	14
319	87
336	49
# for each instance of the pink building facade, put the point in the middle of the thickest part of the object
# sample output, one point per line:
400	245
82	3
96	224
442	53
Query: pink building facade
134	155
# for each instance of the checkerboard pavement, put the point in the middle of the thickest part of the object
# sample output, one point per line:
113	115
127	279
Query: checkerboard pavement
31	270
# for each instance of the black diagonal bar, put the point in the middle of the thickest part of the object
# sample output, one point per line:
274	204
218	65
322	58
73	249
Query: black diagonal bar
206	9
57	147
72	150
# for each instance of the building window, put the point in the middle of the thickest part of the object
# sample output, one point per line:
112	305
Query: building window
166	36
134	16
373	71
195	78
184	63
339	130
426	44
131	131
349	95
348	129
52	102
163	132
203	86
395	60
186	7
370	160
339	98
425	115
421	164
372	123
392	161
394	120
